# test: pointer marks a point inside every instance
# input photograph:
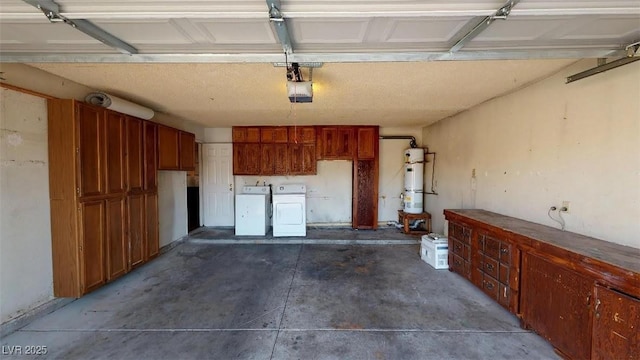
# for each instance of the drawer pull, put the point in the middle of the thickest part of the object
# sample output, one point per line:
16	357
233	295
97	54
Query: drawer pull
489	285
504	250
489	266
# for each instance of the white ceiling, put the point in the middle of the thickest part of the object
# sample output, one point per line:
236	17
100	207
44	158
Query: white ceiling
210	61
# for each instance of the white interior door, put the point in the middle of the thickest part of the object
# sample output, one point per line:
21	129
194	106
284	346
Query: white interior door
217	184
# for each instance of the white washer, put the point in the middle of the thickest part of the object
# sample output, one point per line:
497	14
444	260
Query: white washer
289	210
253	211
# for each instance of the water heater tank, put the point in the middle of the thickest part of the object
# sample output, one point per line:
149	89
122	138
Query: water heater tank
413	180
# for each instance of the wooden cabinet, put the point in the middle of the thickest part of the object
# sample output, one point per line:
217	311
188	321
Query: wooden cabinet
365	194
91	249
616	325
460	250
168	148
117	244
274	150
579	293
90	123
135	167
367	142
274	134
245	134
152	239
97	164
176	149
187	151
365	180
115	153
150	140
302	159
336	142
495	269
556	304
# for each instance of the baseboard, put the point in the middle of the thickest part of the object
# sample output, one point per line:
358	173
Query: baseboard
26	318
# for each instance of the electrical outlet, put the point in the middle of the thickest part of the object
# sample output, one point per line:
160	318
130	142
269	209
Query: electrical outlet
565	206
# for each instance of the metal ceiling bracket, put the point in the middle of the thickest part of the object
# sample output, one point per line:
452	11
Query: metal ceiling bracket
314	64
480	26
52	11
280	25
602	68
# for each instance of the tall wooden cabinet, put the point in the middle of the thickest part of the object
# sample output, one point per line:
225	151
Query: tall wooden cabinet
96	174
365	179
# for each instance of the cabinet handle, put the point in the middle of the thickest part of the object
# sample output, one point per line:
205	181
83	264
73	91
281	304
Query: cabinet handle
597	305
504	250
588	300
489	266
489	285
457	262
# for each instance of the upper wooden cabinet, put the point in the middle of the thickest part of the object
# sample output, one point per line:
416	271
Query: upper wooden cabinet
176	149
274	134
246	159
367	142
115	152
302	134
135	167
187	151
90	123
302	159
168	148
150	136
246	134
335	142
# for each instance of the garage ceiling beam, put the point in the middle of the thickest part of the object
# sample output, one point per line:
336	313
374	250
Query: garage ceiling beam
280	25
480	24
312	57
52	11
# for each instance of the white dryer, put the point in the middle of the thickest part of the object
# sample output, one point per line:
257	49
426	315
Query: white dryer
289	210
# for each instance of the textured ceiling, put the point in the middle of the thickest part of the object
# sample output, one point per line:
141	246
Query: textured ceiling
386	94
209	61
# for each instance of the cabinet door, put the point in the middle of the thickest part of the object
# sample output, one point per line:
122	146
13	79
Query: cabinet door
246	159
136	222
367	142
281	156
134	154
91	151
302	159
555	303
168	148
335	143
273	134
151	225
115	149
616	327
92	230
117	246
365	194
246	134
150	141
302	134
267	159
187	151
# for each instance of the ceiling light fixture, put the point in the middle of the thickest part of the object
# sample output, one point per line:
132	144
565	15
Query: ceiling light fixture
52	11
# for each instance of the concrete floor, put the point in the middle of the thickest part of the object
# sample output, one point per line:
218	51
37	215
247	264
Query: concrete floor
221	301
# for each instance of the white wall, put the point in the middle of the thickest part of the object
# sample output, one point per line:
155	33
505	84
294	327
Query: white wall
172	205
26	276
544	144
217	135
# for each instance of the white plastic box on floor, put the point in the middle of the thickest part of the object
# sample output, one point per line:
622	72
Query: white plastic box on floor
434	250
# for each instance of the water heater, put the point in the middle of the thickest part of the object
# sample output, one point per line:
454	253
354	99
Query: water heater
413	180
